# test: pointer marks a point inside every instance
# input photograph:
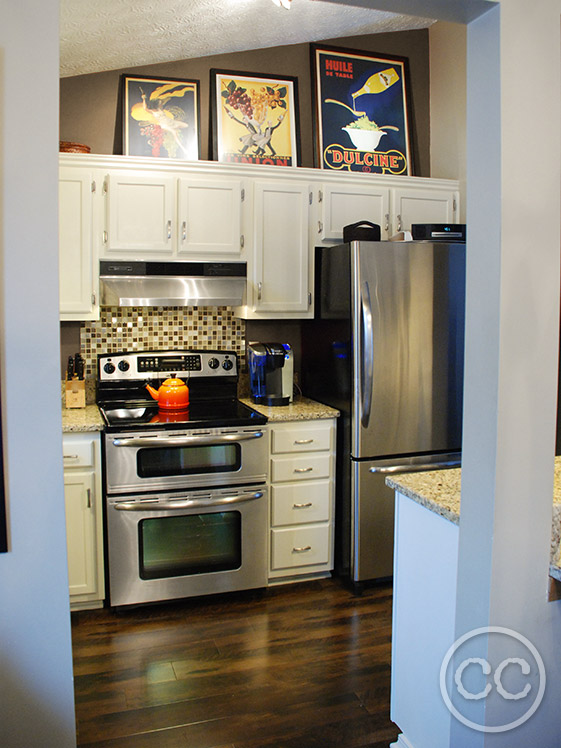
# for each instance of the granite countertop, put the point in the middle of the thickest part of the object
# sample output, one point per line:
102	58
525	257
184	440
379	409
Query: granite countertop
301	409
439	491
81	419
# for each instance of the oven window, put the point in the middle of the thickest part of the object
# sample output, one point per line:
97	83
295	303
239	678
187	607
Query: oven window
213	458
187	545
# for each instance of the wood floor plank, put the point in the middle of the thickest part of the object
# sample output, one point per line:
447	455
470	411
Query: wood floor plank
300	665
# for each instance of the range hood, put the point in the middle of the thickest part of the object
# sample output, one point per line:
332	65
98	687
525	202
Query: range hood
124	283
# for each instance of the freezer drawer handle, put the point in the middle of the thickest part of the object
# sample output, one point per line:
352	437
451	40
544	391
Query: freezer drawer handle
390	469
302	550
185	441
156	506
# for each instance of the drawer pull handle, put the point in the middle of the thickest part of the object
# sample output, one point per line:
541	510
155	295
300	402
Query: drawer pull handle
302	506
302	550
303	470
70	457
303	441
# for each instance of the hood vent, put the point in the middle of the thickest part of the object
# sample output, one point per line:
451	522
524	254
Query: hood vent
124	283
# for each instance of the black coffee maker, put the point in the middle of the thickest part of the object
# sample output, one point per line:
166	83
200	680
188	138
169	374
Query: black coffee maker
271	373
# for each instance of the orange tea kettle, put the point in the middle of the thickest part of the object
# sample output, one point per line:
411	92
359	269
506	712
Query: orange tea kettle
173	394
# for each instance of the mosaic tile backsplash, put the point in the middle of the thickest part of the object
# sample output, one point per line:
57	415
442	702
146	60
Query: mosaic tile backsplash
159	328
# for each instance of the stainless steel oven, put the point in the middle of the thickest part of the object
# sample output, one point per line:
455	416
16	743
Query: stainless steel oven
185	491
174	545
174	459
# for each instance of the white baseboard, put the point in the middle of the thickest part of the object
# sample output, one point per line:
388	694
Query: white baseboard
401	742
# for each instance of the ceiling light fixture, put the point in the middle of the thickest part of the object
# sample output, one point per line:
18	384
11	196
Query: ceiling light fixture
283	3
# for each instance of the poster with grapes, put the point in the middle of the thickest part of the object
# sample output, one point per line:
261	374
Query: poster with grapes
160	117
254	118
362	113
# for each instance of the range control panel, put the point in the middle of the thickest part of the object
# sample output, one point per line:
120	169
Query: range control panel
163	364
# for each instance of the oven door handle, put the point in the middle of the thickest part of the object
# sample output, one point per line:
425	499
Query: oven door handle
141	506
184	441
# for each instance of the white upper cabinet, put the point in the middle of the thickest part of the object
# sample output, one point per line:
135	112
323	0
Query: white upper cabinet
278	273
180	217
270	217
423	205
343	204
210	218
345	201
140	214
78	279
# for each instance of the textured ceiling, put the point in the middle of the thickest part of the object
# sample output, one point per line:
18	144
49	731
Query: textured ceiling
98	35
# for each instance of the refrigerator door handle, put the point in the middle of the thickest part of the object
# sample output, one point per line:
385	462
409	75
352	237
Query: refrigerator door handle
391	469
367	359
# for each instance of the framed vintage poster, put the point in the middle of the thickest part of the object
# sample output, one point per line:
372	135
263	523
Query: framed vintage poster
160	117
254	118
362	113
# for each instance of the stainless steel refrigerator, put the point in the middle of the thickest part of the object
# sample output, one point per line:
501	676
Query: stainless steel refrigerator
386	348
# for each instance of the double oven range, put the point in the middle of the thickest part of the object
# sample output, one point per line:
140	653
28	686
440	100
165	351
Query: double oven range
185	491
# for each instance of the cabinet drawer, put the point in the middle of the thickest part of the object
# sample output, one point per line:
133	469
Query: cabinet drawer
311	438
301	503
303	546
306	467
77	453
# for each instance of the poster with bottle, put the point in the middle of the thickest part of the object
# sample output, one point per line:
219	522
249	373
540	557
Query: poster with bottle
362	115
254	118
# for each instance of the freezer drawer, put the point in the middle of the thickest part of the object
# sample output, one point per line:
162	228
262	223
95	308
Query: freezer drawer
372	519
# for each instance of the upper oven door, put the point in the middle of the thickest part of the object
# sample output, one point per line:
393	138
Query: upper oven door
215	457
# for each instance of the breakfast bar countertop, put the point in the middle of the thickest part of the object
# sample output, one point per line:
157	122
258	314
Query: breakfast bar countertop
439	491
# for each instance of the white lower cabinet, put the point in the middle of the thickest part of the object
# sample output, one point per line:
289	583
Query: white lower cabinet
84	526
302	475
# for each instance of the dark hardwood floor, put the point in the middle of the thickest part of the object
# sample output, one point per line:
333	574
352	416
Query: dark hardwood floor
297	666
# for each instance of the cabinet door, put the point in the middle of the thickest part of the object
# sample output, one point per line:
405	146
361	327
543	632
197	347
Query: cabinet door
140	214
209	217
80	502
420	205
78	283
344	204
280	274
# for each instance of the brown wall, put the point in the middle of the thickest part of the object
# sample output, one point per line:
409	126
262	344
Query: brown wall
89	103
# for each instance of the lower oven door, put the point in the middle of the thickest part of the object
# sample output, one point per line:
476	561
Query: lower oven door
196	543
169	460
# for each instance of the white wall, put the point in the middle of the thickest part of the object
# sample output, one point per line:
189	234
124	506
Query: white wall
36	689
511	346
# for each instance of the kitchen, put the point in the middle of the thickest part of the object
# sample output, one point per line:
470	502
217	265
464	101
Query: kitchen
9	382
120	329
333	202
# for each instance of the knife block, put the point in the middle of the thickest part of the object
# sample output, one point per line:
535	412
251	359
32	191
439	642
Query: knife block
76	393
